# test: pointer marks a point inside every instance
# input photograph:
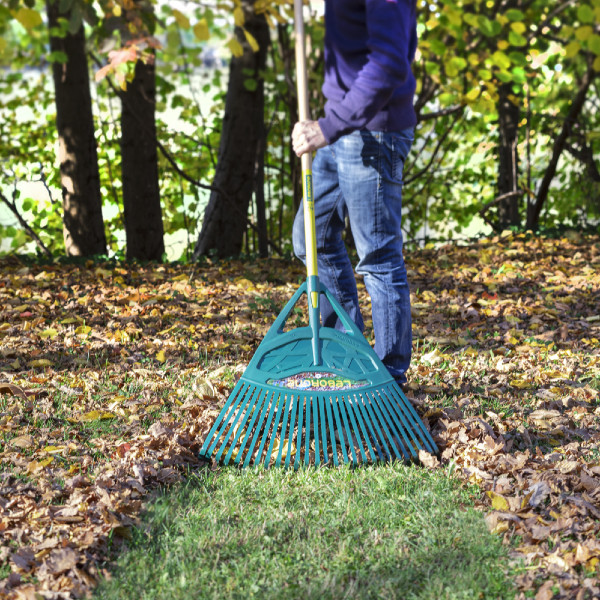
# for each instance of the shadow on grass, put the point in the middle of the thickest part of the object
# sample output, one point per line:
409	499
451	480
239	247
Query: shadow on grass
388	531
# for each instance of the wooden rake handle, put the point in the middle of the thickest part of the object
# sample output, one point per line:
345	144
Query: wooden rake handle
306	160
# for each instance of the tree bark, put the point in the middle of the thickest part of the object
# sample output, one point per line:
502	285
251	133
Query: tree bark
139	165
508	159
534	210
83	225
224	222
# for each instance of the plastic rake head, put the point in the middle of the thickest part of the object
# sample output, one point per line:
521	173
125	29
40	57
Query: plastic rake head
269	425
294	405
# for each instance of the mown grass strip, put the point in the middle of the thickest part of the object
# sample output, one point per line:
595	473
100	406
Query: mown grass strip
375	532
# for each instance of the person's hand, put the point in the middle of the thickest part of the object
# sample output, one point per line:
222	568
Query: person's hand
307	137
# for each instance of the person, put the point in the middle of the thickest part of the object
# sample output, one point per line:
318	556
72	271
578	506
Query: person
361	145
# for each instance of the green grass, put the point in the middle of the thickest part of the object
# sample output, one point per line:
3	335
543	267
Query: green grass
374	532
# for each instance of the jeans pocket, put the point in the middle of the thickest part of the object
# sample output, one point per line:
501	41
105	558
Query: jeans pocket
401	144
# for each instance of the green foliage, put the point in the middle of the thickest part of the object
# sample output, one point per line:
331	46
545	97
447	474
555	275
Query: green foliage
542	51
467	49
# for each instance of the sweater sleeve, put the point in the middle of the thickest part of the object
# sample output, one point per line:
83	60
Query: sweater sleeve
390	27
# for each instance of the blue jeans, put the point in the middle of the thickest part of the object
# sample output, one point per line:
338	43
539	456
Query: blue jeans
360	176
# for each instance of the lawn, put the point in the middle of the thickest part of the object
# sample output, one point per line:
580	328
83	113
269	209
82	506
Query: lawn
374	532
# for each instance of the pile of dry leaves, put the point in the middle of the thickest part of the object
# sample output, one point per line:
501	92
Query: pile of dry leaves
110	377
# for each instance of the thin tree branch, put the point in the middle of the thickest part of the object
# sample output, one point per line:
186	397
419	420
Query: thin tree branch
12	205
441	113
560	141
439	144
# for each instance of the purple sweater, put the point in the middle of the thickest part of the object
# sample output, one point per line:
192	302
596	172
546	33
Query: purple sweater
369	84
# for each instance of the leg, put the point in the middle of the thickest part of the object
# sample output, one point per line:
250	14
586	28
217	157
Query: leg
335	269
370	174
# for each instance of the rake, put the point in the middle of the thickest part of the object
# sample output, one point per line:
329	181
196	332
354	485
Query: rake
314	394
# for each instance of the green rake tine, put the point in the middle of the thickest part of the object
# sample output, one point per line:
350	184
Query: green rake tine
286	415
328	403
364	415
227	413
406	406
266	405
280	406
379	437
245	410
357	431
307	433
249	427
393	410
292	424
338	420
321	406
401	440
301	404
348	431
235	397
384	427
359	418
316	429
387	425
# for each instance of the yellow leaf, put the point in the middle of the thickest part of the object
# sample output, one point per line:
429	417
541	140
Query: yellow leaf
117	10
96	415
473	94
584	33
160	356
201	30
69	321
596	64
28	17
22	308
522	384
572	49
48	333
236	49
500	528
83	330
498	502
53	449
181	19
40	362
238	16
5	326
251	40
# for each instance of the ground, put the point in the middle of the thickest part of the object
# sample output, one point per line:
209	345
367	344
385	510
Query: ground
111	375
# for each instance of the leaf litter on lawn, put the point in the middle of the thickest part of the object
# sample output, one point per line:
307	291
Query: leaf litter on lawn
111	375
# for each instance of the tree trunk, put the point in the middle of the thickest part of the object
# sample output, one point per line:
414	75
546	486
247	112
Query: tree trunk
225	217
259	195
534	210
83	226
139	164
508	159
